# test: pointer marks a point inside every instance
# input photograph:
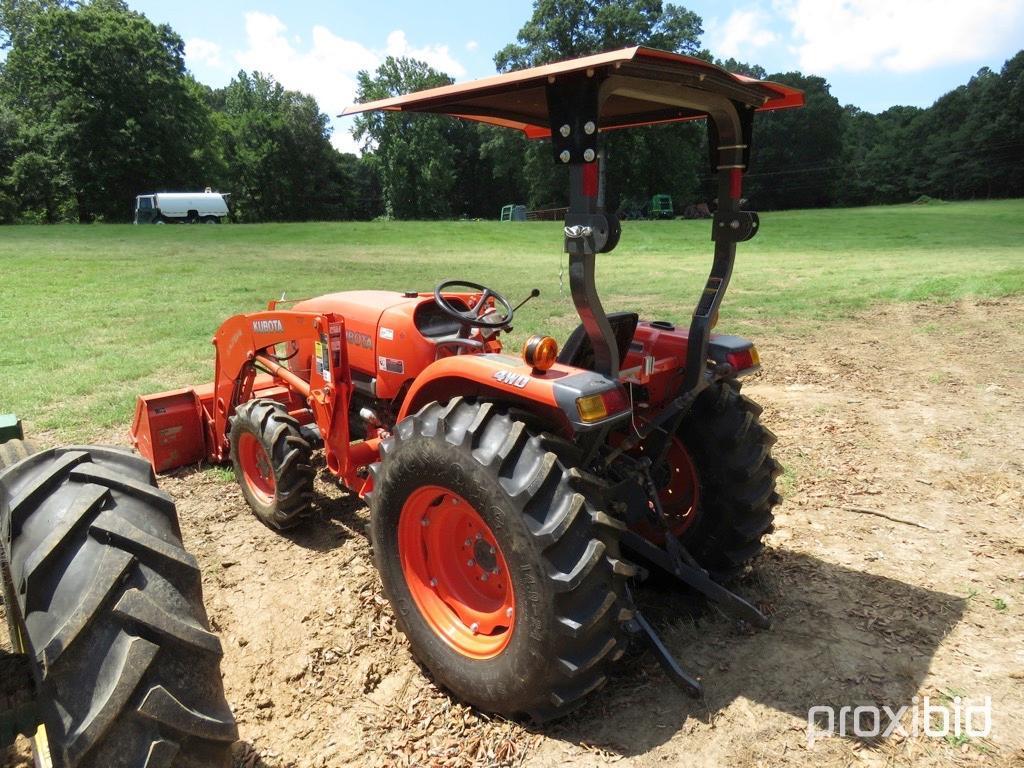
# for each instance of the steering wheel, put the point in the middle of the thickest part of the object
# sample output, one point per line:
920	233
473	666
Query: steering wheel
479	315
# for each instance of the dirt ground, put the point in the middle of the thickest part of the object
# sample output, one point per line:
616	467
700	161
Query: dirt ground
896	571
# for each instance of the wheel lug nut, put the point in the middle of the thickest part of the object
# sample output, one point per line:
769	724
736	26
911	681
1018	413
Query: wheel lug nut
474	627
471	563
478	537
508	612
483	576
425	522
433	582
469	542
496	571
492	550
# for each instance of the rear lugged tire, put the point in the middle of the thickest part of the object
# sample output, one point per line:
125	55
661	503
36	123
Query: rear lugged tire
286	493
731	450
14	451
562	552
113	612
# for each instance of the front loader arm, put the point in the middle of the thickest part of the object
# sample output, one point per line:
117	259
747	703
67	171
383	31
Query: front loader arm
249	342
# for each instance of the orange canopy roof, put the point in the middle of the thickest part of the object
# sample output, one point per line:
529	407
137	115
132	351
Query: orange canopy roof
519	99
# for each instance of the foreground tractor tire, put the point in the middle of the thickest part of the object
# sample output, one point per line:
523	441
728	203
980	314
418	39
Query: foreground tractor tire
14	451
731	452
272	462
475	521
113	614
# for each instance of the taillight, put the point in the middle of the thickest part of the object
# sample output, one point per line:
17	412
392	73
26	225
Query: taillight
741	361
596	407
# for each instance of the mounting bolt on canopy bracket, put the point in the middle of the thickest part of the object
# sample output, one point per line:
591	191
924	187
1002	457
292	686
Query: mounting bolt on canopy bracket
734	226
573	108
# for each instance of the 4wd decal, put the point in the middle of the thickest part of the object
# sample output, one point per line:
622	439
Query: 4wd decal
267	326
511	377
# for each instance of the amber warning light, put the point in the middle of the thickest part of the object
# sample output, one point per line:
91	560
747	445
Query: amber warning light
540	352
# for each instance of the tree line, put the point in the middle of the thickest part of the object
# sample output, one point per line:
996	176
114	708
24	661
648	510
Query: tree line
97	106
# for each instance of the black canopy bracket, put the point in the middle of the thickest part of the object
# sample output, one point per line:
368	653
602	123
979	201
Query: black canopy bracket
574	114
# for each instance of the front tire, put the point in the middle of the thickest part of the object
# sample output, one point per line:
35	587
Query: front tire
272	462
556	552
113	614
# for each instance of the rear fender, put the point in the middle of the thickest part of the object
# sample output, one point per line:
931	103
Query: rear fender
550	395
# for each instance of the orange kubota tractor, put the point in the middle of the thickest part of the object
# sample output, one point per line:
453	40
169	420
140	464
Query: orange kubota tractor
515	499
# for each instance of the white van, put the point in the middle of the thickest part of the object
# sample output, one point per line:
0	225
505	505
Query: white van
183	207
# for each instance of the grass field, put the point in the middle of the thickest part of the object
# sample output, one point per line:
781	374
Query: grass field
90	316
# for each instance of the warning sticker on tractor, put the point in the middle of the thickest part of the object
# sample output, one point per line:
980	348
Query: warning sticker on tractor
390	364
323	364
387	334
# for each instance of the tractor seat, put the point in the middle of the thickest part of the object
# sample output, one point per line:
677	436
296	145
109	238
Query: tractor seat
579	352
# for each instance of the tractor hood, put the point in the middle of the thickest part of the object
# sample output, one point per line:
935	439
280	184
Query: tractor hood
390	335
363	311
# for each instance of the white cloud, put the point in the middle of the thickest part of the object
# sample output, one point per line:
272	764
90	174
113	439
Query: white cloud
472	45
741	33
204	51
901	36
327	68
436	56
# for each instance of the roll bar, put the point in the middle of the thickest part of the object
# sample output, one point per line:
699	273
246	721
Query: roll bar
574	102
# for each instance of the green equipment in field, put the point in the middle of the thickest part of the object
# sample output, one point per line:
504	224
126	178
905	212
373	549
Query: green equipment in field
10	428
513	212
661	207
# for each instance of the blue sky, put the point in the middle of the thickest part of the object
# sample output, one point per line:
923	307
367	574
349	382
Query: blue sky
875	53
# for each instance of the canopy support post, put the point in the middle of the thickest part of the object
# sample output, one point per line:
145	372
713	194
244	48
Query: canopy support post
574	110
729	133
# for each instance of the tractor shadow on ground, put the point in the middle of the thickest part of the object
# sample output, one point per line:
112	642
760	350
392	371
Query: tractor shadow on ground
335	519
840	637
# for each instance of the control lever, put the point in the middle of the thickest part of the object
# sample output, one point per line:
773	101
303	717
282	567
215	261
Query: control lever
533	295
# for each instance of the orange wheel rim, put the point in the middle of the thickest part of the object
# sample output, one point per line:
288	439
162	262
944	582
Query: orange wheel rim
456	572
680	495
678	491
256	468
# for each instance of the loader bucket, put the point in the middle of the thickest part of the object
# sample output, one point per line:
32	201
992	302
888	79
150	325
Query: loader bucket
175	429
169	428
